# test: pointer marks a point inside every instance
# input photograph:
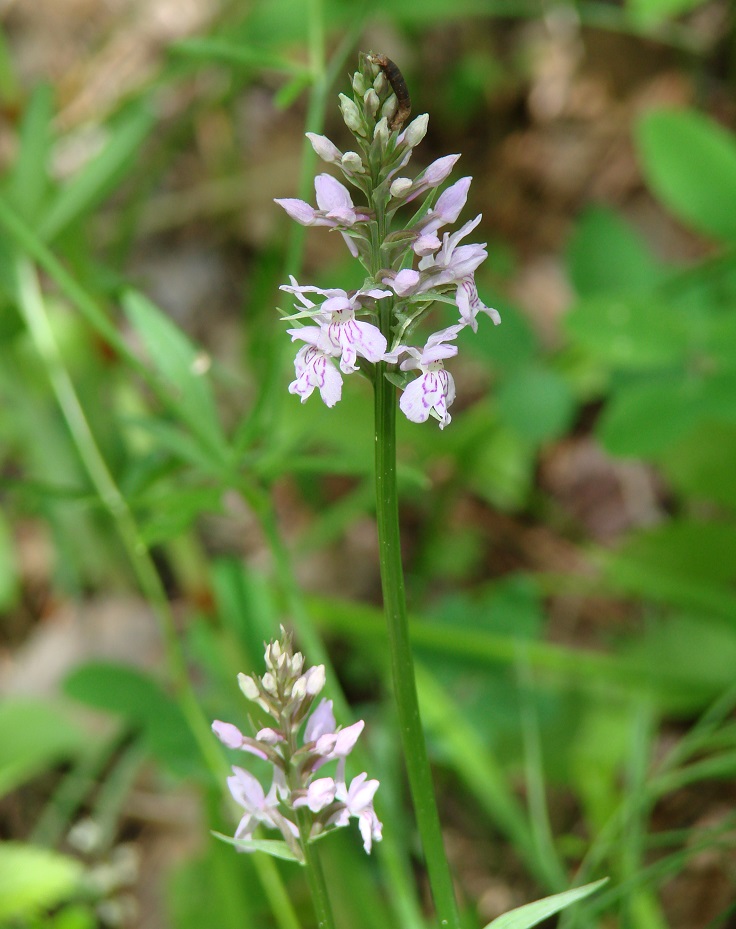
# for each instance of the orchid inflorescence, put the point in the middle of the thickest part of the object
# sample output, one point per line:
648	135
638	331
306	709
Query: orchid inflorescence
287	693
395	296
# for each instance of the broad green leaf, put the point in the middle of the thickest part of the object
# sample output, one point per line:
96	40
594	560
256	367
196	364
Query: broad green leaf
524	917
99	177
180	365
135	696
683	563
702	654
536	403
34	735
605	256
630	332
651	12
275	847
647	418
684	548
703	464
33	879
511	345
689	161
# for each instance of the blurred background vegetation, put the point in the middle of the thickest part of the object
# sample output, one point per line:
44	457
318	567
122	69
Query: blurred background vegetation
570	540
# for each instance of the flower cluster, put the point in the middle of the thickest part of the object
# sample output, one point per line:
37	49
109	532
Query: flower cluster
409	266
287	693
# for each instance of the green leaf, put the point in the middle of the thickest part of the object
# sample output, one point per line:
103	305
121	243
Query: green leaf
630	332
95	181
524	917
647	418
175	509
8	567
33	737
180	365
28	181
275	847
689	161
135	696
703	464
33	879
508	346
536	403
232	51
605	256
651	12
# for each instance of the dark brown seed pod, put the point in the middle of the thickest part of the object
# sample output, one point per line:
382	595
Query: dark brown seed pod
398	85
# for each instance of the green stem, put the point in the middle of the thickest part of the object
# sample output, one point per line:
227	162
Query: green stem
402	665
315	876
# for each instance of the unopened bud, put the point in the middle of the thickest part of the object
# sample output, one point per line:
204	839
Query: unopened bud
269	683
352	163
390	107
371	101
315	679
359	85
400	186
351	115
380	83
381	132
248	686
416	130
299	688
324	148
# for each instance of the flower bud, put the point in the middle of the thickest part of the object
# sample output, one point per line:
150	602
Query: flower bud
352	163
269	683
390	107
351	115
380	83
416	130
248	686
359	85
439	170
315	679
381	132
400	186
324	148
296	664
371	102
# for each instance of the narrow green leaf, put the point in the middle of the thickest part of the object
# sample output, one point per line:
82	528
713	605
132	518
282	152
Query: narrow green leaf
180	365
33	879
8	567
99	176
524	917
274	847
29	178
689	162
232	51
